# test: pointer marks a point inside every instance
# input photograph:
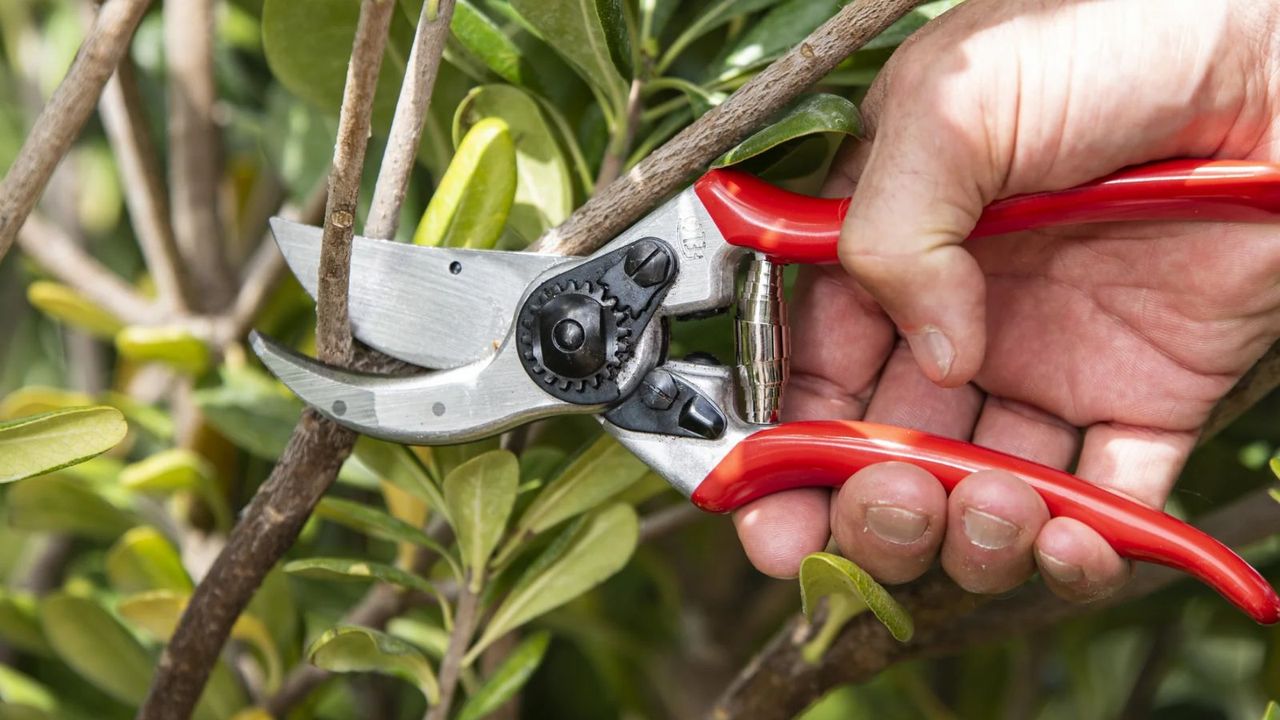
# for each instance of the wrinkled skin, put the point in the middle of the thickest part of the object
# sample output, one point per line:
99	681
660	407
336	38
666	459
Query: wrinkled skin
1103	345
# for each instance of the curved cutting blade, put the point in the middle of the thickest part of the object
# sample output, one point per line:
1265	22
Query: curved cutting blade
434	408
434	307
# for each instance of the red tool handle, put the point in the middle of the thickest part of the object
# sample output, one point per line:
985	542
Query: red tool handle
826	453
792	228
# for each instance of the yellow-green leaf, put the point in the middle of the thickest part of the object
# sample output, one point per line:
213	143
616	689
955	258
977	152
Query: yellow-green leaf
359	570
427	637
65	304
544	186
480	495
144	559
812	114
22	697
407	509
507	679
825	575
580	30
158	612
397	465
584	556
358	649
471	203
602	471
43	443
37	399
61	503
93	643
20	623
174	346
1272	712
1275	466
178	470
375	523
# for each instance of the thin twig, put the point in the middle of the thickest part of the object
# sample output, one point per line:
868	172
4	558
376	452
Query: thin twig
464	624
334	344
194	150
410	117
317	446
671	166
616	157
124	119
62	257
668	519
60	121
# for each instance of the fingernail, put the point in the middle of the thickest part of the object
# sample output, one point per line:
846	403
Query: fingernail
895	524
1063	572
933	345
988	531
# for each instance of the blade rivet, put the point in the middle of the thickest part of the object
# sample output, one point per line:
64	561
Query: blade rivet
339	407
455	267
437	409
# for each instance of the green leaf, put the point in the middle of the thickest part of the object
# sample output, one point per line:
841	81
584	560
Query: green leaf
905	26
544	187
1274	464
358	570
93	643
583	557
65	304
825	575
251	410
297	141
1274	493
358	649
1272	712
158	423
43	443
813	114
714	15
576	30
484	39
158	612
602	471
777	32
613	20
38	399
376	523
174	346
308	47
539	461
20	623
144	559
397	465
60	503
507	679
471	203
178	470
23	697
430	638
480	495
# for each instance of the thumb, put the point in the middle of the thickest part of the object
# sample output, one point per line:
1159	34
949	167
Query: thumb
919	196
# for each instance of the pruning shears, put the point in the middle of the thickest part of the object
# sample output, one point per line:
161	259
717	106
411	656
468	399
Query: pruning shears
516	337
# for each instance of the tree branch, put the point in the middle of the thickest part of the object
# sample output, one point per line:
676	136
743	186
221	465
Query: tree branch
194	150
124	119
62	257
60	121
670	167
411	115
317	447
778	683
464	624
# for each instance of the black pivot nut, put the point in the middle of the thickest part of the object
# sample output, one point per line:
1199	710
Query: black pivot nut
570	335
647	263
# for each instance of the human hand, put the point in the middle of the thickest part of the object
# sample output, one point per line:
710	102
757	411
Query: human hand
1105	345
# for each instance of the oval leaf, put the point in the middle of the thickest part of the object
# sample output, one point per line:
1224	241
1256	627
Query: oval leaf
603	470
144	559
507	679
544	186
480	494
93	643
358	649
344	569
821	113
397	465
470	205
178	470
576	29
714	15
22	693
823	574
583	557
38	399
173	346
375	523
251	410
43	443
60	503
774	34
63	303
20	623
484	39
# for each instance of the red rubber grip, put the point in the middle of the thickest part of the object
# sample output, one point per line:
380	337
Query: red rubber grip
826	453
792	228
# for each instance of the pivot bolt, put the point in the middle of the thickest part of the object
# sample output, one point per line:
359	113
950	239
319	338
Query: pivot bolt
658	391
568	335
646	263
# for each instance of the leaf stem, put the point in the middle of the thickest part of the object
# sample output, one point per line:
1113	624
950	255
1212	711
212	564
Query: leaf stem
464	626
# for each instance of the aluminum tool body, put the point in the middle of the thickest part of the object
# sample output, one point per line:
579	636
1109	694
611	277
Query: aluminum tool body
515	337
